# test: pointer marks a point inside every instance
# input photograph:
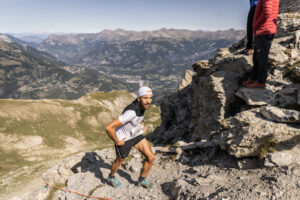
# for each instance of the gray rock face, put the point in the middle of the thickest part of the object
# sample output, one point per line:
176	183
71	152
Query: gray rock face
287	97
214	94
278	159
277	55
188	78
288	22
222	52
280	115
83	182
289	6
176	118
256	97
250	134
201	67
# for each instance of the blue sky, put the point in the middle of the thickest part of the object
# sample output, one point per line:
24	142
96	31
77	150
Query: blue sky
96	15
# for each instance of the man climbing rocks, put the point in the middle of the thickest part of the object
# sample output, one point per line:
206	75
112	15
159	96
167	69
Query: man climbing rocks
126	131
264	28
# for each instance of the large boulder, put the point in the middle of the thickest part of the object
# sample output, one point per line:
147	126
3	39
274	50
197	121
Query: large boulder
280	115
286	97
256	97
250	134
214	93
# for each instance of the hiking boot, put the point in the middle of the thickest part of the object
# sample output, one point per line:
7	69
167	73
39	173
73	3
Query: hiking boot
255	84
249	81
247	51
114	182
147	184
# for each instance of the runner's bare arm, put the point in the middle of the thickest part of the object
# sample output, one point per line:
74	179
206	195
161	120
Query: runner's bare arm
111	131
144	127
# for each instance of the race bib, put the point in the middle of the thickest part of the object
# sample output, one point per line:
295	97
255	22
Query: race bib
136	130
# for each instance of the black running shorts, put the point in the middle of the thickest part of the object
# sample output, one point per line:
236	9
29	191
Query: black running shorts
124	150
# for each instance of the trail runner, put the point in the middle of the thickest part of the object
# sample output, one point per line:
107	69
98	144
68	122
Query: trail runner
127	131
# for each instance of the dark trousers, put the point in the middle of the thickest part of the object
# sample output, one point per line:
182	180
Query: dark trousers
249	27
262	45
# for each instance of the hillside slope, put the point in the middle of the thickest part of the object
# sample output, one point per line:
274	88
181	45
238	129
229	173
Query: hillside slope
36	133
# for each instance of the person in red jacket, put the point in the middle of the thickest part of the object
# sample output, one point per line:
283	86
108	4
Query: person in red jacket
264	28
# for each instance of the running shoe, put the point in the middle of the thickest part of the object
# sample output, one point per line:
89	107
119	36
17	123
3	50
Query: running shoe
255	84
147	184
114	181
247	51
249	81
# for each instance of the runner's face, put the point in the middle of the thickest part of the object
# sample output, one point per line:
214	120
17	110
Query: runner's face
145	101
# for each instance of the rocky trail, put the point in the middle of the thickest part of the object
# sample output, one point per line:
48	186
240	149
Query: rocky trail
189	171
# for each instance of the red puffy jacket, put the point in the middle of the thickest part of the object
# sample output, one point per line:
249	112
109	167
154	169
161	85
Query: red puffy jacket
265	18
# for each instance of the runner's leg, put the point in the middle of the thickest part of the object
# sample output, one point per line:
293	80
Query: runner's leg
144	147
116	164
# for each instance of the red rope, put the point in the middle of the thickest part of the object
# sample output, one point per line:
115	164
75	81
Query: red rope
78	193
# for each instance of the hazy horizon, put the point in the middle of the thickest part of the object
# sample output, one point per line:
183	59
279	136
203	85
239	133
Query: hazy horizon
62	33
93	16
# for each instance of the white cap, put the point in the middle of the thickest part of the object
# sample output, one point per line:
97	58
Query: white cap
144	91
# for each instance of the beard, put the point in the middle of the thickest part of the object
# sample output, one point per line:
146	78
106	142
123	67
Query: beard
145	106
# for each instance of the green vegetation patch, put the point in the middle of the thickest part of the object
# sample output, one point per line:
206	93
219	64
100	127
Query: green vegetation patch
54	190
53	127
108	96
11	160
267	147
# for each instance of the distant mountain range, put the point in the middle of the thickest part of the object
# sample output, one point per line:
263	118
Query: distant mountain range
31	74
158	57
69	66
32	39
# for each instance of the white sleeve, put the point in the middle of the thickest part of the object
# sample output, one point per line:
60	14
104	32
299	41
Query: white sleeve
127	116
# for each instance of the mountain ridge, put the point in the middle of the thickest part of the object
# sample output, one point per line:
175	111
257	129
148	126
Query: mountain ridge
159	58
121	34
28	73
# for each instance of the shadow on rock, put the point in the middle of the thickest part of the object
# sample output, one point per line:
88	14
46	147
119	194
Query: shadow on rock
92	162
176	119
288	144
